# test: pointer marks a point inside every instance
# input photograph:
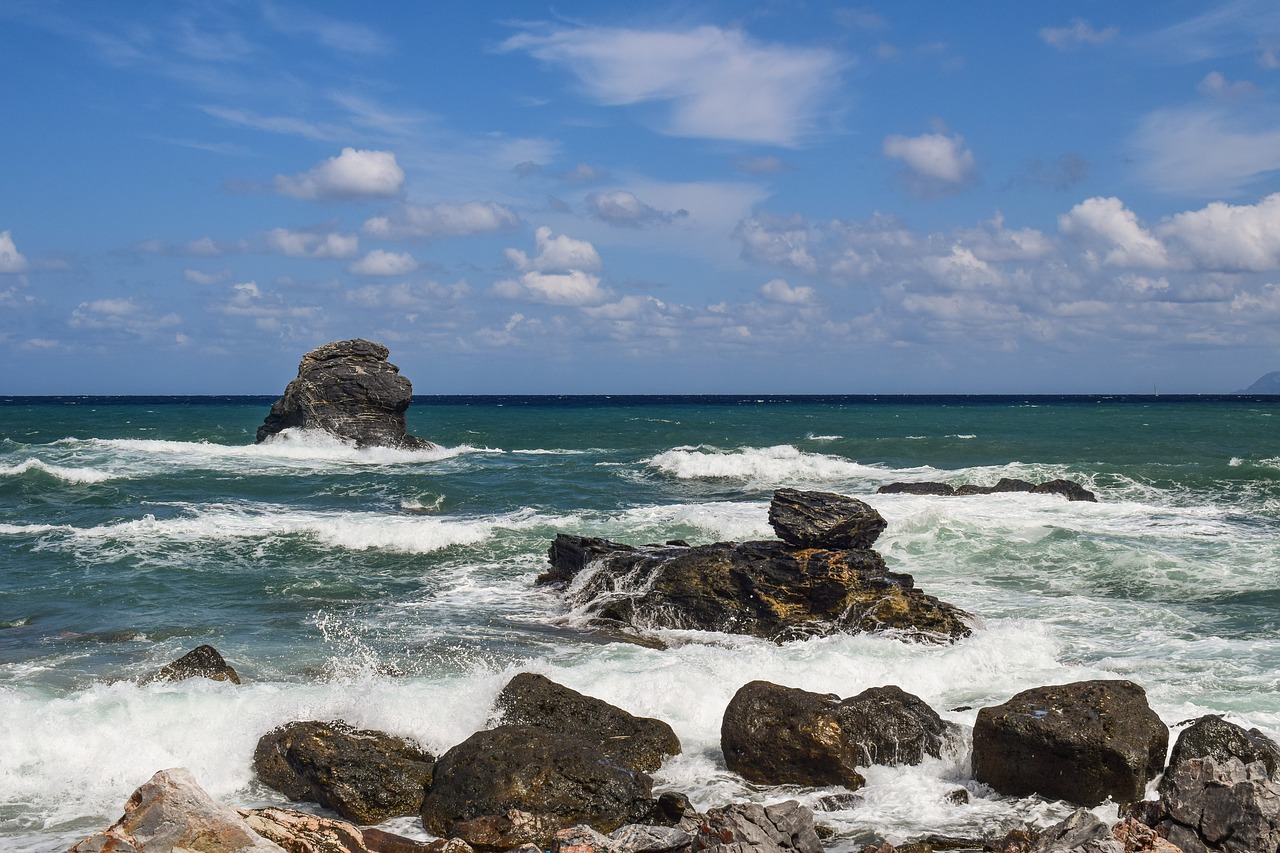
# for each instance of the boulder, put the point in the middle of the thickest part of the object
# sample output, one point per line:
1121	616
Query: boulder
938	489
1213	737
643	838
1082	742
1208	806
557	777
823	520
641	743
300	832
365	776
1069	489
170	812
201	662
347	389
765	589
775	735
496	833
785	827
1080	832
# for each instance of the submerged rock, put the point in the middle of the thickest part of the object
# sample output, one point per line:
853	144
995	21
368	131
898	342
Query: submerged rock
201	662
641	743
1069	489
365	776
347	389
172	812
775	735
823	520
1081	742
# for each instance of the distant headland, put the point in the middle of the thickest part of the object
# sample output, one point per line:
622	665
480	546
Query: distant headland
1269	384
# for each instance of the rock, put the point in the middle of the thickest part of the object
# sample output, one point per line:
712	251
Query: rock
170	812
365	776
201	662
775	735
1081	832
1134	837
1213	737
581	839
1014	841
347	389
823	520
1220	807
839	802
300	832
495	833
1082	742
672	807
569	555
642	838
765	589
641	743
555	776
752	828
1069	489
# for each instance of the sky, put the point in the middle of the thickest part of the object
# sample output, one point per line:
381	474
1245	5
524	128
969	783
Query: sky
757	196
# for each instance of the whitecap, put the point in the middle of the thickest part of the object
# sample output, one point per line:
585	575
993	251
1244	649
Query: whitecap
59	472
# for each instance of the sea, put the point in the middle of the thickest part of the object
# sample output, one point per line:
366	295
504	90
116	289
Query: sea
395	590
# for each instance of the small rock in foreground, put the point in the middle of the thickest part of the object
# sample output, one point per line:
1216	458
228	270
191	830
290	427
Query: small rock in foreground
201	662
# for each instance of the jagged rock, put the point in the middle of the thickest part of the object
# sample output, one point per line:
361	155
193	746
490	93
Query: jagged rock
170	812
751	828
1082	742
823	520
643	838
201	662
350	390
300	832
1213	737
569	555
1081	832
365	776
765	589
1069	489
775	735
640	743
495	833
1220	807
559	778
1135	837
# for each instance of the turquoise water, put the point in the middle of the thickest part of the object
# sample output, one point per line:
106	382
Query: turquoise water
395	590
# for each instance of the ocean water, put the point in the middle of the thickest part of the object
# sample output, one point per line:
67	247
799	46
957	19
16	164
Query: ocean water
395	590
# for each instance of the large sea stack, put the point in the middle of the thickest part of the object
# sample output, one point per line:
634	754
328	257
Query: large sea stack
347	389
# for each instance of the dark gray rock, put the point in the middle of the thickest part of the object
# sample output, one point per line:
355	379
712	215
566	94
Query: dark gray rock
558	778
640	743
350	390
1080	832
497	833
201	662
1081	742
785	827
365	776
1213	737
1069	489
775	735
1226	807
823	520
940	489
765	589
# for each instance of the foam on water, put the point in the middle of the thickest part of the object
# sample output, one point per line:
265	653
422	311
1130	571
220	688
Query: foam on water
762	465
58	472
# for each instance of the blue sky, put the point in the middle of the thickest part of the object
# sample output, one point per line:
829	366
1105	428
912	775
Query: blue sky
717	197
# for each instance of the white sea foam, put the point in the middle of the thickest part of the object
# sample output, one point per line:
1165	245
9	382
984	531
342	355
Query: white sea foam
781	464
59	472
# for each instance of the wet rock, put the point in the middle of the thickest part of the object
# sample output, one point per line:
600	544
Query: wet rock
170	812
765	589
495	833
752	828
300	832
641	838
1081	832
1069	489
1134	837
1220	807
365	776
839	802
569	555
347	389
931	489
823	520
558	778
775	735
1213	737
1082	742
641	743
671	808
201	662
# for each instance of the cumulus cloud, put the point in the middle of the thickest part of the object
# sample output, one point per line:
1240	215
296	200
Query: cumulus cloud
11	260
719	83
623	208
1208	151
936	163
1113	234
1232	238
778	290
382	262
413	222
353	174
120	315
409	296
1216	86
575	287
1078	32
560	253
310	244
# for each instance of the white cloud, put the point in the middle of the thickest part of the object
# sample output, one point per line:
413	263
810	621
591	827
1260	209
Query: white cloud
344	36
441	220
560	253
778	290
1078	32
575	287
1106	225
411	297
309	244
1208	151
584	173
937	163
623	208
1228	237
1216	86
120	315
782	242
719	83
353	174
382	262
11	260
